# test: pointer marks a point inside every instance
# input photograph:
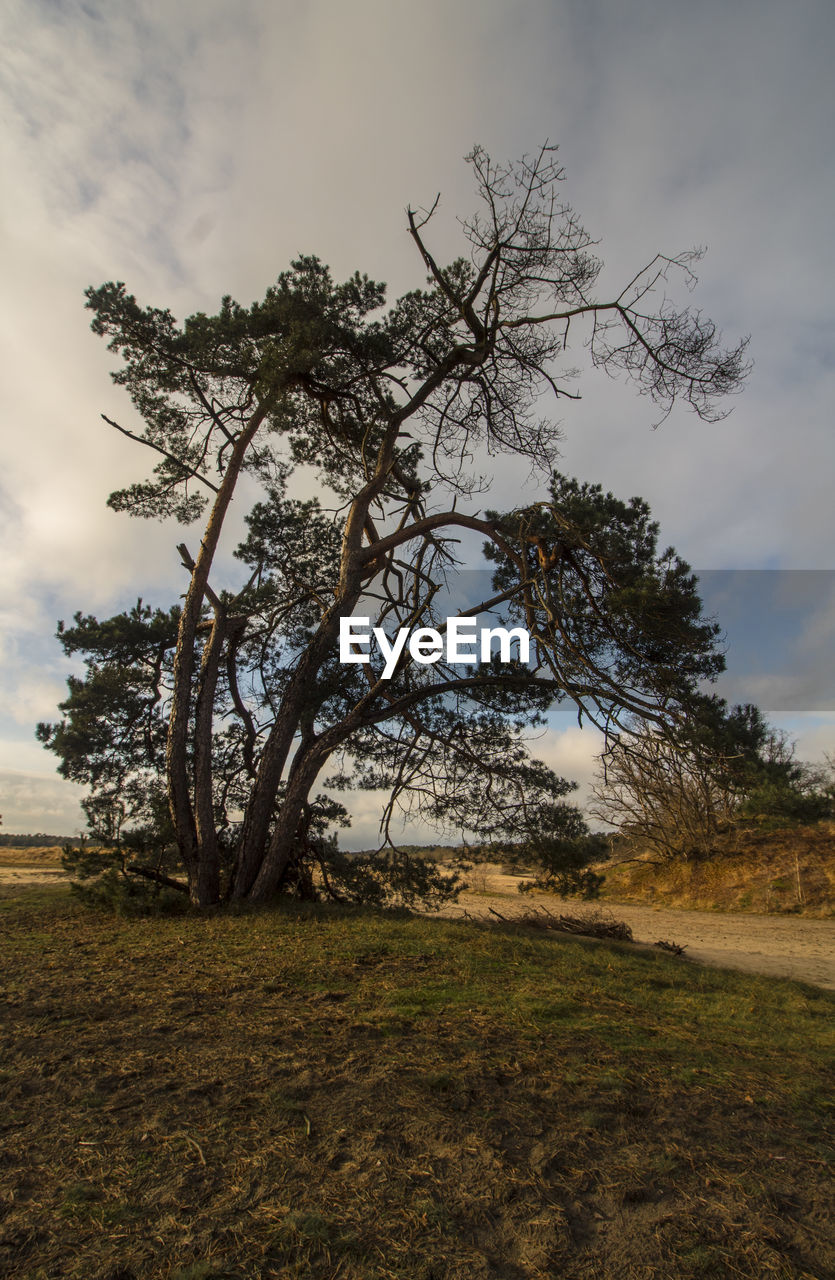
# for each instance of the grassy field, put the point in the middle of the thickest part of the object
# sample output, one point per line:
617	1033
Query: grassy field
314	1092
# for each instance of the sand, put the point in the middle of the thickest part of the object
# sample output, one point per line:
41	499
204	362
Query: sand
780	946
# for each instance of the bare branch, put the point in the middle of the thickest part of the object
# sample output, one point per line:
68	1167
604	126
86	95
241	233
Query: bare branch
172	457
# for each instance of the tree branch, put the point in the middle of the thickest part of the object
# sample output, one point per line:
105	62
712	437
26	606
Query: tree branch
158	877
172	457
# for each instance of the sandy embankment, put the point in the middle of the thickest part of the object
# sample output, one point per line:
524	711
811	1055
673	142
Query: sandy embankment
31	866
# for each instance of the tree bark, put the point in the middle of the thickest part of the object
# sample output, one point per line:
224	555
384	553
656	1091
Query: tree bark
259	811
179	793
205	886
277	857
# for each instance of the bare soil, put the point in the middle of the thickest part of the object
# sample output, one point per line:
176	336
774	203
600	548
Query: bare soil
778	946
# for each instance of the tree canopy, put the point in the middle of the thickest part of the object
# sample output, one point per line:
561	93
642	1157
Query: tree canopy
207	727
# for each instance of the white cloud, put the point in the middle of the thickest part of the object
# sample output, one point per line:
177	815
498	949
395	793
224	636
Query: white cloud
31	802
193	150
34	698
815	737
572	754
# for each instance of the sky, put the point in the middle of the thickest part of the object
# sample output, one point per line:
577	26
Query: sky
194	150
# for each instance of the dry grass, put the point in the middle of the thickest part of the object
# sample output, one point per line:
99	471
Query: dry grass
312	1092
765	871
48	856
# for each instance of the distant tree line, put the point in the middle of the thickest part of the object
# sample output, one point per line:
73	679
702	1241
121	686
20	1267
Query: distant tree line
39	840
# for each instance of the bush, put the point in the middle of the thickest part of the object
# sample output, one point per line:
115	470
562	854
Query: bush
783	804
563	865
100	879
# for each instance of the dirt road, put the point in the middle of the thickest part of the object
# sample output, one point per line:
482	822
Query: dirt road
799	947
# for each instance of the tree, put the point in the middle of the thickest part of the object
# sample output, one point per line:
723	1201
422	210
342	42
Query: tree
675	793
390	409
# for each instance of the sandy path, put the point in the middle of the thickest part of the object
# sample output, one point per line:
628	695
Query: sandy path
798	947
779	946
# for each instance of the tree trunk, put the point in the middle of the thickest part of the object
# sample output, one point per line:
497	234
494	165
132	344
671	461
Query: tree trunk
176	755
205	885
256	825
280	850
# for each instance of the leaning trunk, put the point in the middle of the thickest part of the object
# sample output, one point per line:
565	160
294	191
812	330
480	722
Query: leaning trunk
205	884
176	756
253	846
280	850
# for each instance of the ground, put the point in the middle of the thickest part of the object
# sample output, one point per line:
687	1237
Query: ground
796	946
786	946
310	1092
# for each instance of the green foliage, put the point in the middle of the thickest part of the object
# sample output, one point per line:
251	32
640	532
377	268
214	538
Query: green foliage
306	333
559	850
102	877
389	877
563	865
112	736
127	895
202	730
787	803
610	602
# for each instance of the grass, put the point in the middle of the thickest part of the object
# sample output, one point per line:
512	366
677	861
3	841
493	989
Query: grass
319	1092
789	870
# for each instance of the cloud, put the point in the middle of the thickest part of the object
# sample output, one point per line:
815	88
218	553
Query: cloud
30	802
779	628
34	698
572	754
815	737
193	150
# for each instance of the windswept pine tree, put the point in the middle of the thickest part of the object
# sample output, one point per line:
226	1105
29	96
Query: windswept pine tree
204	732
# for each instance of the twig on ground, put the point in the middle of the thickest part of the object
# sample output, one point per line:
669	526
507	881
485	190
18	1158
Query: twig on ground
596	924
672	947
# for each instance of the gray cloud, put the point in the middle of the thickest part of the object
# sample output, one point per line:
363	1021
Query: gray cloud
30	802
193	150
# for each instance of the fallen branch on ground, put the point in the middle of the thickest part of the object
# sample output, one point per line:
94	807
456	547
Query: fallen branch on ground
672	947
595	924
